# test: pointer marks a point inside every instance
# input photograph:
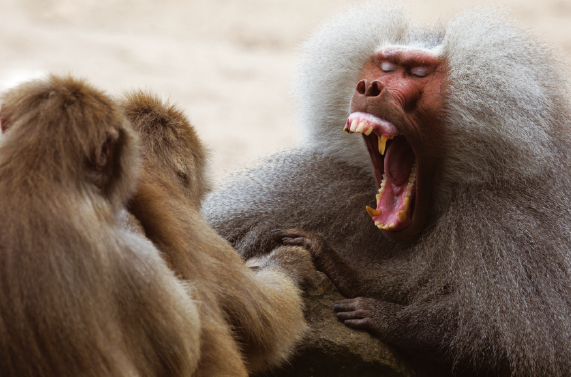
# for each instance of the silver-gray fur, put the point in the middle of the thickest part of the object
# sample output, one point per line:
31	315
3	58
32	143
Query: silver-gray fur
491	273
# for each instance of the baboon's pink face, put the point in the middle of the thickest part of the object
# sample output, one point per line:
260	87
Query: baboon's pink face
397	106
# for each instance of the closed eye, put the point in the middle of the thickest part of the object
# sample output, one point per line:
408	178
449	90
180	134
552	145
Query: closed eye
387	66
419	71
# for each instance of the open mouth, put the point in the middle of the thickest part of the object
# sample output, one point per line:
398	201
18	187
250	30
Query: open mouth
394	163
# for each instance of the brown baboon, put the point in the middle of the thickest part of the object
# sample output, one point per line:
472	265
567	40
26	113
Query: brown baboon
79	296
466	128
250	320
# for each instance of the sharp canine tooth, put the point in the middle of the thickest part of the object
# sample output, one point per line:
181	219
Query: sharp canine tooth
346	129
353	126
361	127
369	131
382	144
373	212
402	215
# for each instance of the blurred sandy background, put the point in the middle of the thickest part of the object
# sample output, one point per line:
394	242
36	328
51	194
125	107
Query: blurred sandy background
228	63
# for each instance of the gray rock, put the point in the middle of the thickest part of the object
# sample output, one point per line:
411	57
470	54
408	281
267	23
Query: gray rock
334	350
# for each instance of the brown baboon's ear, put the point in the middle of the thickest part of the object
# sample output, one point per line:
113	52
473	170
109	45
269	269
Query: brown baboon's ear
3	119
104	153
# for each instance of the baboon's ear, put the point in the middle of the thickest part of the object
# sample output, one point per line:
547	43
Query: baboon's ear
3	119
104	153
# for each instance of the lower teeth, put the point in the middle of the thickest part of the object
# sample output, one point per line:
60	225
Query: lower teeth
406	202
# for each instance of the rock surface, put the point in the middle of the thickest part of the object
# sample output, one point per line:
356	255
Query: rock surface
334	350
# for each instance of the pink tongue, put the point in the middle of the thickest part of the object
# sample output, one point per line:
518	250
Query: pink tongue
399	158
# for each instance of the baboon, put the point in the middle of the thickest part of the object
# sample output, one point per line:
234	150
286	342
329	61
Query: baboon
80	296
250	320
466	134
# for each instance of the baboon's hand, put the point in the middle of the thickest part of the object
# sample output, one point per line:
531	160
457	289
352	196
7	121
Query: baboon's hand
293	237
360	313
319	249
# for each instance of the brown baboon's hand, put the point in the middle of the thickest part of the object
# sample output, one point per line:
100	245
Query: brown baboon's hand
314	243
292	237
297	261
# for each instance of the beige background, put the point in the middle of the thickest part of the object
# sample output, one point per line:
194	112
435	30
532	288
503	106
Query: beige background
228	63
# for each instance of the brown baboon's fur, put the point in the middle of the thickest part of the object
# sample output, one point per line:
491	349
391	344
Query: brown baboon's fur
482	285
251	320
80	296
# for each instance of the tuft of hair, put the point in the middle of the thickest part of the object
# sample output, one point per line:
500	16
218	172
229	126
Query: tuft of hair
337	51
511	113
177	152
